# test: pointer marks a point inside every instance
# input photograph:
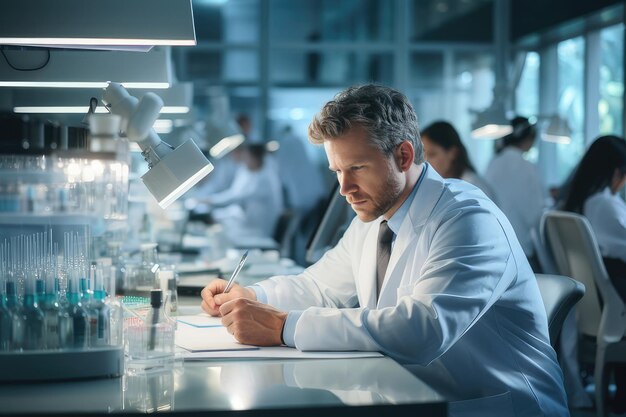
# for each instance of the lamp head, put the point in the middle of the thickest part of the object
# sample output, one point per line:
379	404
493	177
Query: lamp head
172	171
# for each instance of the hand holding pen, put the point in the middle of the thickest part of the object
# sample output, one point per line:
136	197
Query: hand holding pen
236	272
220	291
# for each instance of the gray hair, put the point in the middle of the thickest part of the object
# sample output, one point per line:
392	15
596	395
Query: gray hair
386	115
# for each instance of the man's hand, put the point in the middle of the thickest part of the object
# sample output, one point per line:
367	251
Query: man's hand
212	297
253	323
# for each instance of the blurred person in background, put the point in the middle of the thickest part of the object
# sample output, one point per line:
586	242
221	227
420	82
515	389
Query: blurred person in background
594	193
445	151
517	184
254	201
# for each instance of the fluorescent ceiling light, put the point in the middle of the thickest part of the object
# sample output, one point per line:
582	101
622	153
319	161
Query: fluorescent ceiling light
491	123
557	131
85	69
84	109
177	100
78	23
226	145
79	84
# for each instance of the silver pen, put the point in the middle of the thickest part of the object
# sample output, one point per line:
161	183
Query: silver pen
231	281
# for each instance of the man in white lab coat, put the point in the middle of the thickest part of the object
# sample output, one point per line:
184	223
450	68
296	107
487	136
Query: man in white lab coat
458	299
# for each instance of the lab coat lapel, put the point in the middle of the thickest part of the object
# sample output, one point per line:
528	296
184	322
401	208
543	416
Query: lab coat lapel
367	270
421	207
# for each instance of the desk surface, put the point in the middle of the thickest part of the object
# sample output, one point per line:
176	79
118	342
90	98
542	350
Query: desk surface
268	387
345	387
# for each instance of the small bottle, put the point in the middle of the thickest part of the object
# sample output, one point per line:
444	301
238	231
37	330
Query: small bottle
160	342
98	311
147	279
5	324
34	334
167	283
80	324
15	309
116	313
115	253
50	318
57	321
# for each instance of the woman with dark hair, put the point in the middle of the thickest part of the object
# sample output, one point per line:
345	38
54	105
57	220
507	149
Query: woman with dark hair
594	193
517	184
447	154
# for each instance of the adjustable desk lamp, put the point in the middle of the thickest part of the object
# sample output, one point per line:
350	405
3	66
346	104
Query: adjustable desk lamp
172	171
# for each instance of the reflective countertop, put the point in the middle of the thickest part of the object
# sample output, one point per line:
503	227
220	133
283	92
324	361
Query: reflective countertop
261	385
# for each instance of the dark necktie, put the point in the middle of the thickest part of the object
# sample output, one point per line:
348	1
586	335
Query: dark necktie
383	251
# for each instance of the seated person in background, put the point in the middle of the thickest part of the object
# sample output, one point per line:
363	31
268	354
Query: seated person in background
221	179
429	272
447	154
593	192
517	185
254	201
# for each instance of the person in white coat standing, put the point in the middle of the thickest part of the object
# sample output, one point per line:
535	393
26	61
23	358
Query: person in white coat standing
593	193
457	300
517	184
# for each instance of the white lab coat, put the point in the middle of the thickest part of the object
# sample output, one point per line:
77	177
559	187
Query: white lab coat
459	300
519	193
607	215
252	204
475	179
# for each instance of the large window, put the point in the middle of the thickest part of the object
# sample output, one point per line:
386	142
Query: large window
611	104
571	55
527	92
527	96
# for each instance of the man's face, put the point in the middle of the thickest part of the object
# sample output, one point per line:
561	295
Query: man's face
370	181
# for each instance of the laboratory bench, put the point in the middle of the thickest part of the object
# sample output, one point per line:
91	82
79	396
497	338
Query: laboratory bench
342	387
251	387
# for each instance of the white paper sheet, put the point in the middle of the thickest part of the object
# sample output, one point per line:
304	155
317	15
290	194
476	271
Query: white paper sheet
200	320
276	352
203	337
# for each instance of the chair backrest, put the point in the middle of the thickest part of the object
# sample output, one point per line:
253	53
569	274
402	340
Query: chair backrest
577	255
544	255
285	231
559	294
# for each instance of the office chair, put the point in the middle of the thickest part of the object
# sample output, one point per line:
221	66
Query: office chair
560	294
544	256
285	231
601	312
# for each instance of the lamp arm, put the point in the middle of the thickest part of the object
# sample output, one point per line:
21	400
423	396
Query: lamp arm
138	117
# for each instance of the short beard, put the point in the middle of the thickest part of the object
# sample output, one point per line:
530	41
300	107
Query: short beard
389	197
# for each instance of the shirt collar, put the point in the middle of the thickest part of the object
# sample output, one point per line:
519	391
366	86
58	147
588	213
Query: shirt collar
396	220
